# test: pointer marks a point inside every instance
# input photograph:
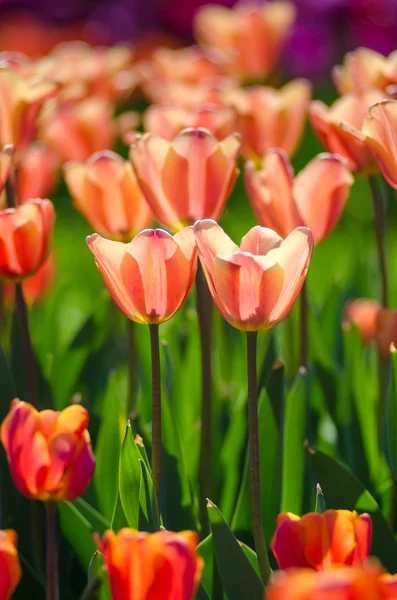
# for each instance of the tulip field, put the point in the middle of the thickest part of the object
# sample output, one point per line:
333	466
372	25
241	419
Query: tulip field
198	320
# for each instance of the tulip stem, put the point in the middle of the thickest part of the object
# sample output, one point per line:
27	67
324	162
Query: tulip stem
303	327
30	363
52	551
254	469
156	409
204	313
131	369
380	236
10	193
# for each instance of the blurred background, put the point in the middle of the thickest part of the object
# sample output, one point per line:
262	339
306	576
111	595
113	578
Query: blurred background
325	29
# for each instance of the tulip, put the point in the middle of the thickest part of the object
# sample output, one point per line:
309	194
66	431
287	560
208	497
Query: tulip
25	234
35	288
167	120
329	124
348	583
106	192
188	178
250	36
270	118
314	198
362	69
147	566
177	93
254	286
37	172
6	158
49	452
363	313
149	278
75	131
386	332
21	100
193	65
322	541
10	569
377	135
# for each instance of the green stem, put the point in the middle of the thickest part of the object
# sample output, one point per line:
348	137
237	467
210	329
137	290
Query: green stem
254	470
131	404
30	363
52	552
204	313
156	409
376	192
303	356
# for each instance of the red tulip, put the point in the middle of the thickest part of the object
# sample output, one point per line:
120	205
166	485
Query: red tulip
49	452
106	192
314	198
254	286
151	566
186	179
35	288
37	174
322	541
25	235
150	277
10	569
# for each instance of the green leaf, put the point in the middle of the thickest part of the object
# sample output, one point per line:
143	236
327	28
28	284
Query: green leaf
342	490
293	437
391	420
239	579
108	446
149	519
130	478
78	531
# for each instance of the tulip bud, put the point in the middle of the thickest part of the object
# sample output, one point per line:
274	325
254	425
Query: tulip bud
25	235
106	192
49	452
186	179
254	286
149	278
10	568
75	131
314	198
164	565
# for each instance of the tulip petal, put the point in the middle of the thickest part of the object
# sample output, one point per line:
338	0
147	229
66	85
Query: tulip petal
379	129
248	287
320	191
293	256
260	240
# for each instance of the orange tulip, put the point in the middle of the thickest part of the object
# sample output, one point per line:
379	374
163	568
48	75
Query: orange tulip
168	120
322	541
314	198
377	136
328	124
35	288
150	277
25	235
75	131
348	583
270	118
6	158
176	93
362	69
106	192
21	100
363	313
10	569
254	286
49	452
37	172
251	36
149	566
186	179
